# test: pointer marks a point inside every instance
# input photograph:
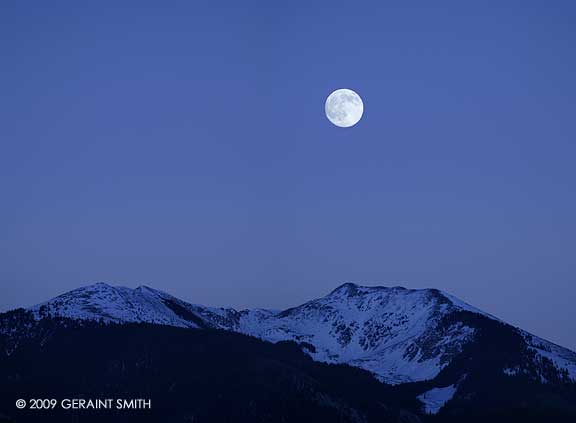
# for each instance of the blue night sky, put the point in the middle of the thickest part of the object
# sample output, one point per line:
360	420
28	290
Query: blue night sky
183	145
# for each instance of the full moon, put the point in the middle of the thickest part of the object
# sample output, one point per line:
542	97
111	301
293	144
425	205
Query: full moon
344	108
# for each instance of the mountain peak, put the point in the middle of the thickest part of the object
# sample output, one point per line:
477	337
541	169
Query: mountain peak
99	284
351	289
346	288
144	288
115	304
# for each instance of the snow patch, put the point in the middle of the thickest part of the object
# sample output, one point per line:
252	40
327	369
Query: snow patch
561	363
436	398
562	358
511	371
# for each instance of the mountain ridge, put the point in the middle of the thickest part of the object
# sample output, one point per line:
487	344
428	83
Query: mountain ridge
425	344
398	334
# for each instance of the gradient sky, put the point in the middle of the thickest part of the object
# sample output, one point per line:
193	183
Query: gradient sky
183	145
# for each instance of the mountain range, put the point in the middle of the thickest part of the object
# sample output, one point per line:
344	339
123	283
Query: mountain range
435	356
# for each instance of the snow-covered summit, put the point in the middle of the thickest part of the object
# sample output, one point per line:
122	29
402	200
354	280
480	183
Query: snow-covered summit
118	304
108	303
398	334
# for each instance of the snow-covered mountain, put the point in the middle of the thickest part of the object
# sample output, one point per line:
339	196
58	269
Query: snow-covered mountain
117	304
400	335
396	333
